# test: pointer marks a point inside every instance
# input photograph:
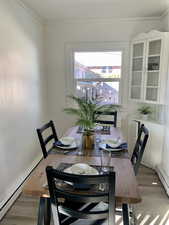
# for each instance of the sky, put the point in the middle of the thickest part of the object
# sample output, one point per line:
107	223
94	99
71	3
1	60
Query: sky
98	58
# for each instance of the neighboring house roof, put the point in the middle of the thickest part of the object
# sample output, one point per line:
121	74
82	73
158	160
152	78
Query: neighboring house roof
80	69
103	67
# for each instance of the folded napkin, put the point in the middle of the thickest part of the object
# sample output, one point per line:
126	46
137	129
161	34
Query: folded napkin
121	146
60	144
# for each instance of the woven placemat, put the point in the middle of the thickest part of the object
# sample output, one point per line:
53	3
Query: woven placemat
105	130
97	188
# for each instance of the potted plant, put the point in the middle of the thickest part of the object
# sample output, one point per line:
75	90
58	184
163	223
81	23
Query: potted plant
86	116
145	111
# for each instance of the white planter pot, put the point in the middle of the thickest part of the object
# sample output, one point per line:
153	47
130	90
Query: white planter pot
144	116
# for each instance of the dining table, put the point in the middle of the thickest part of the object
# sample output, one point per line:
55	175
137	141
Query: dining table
126	191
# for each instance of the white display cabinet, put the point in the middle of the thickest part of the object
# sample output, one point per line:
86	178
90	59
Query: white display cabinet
149	67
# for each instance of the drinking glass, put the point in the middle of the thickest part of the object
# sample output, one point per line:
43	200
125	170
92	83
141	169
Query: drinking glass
105	160
98	134
79	143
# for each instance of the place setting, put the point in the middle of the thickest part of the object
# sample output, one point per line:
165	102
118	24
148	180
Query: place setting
84	169
113	145
116	147
77	169
66	144
104	129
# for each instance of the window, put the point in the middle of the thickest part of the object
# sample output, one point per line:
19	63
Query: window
97	75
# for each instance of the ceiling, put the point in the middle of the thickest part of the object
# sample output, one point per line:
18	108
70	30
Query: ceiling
99	9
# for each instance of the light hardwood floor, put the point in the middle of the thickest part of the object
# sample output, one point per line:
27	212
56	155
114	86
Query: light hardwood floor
154	209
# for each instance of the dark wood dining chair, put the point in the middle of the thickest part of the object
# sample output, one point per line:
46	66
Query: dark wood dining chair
65	201
109	122
136	159
47	134
139	147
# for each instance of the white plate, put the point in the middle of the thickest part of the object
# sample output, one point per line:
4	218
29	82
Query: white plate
103	146
67	140
81	168
113	143
72	146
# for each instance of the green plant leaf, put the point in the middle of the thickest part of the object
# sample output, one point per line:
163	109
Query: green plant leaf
86	111
72	111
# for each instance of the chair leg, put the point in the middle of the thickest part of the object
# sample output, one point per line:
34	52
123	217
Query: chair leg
47	214
41	211
126	216
44	214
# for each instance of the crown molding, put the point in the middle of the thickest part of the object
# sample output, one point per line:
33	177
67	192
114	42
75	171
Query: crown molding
150	34
53	21
30	11
98	20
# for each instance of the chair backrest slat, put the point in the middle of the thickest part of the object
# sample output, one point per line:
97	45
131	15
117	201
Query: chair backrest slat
82	198
87	179
51	135
48	139
139	148
111	122
45	126
82	215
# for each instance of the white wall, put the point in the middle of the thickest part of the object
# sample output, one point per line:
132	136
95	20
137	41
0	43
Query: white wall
22	94
164	166
59	34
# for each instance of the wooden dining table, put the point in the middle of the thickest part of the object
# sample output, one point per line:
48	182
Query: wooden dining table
127	191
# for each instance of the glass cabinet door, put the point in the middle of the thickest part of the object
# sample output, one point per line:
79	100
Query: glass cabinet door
137	70
151	85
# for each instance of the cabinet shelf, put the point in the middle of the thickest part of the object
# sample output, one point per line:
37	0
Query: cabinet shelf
156	55
152	71
151	86
137	71
137	57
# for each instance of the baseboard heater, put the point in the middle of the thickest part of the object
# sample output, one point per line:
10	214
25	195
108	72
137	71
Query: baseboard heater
16	190
163	179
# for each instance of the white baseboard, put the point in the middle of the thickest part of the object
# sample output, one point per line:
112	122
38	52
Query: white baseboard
148	165
9	203
161	174
8	200
164	178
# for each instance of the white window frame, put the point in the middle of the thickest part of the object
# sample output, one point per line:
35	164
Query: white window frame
71	48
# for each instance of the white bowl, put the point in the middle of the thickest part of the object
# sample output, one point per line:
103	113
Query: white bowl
67	140
113	143
81	168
